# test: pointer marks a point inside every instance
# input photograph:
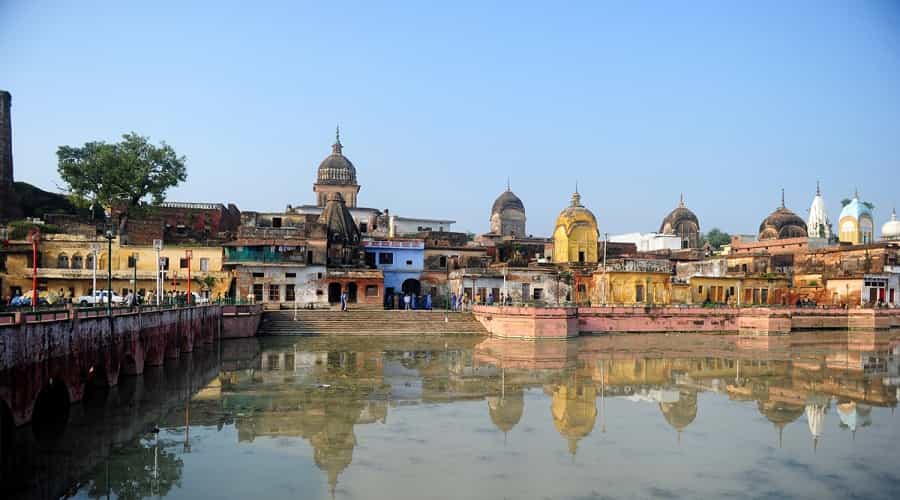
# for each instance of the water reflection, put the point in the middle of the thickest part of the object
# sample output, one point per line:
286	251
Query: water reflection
375	414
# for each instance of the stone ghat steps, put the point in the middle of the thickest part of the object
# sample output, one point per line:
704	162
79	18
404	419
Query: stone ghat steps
369	323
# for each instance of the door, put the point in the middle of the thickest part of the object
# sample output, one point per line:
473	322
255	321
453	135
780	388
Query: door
334	293
351	293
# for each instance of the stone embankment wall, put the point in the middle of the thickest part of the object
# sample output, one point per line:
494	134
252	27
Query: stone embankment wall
69	349
241	321
562	323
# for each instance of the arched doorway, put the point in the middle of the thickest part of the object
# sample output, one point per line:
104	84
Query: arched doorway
412	287
351	292
334	293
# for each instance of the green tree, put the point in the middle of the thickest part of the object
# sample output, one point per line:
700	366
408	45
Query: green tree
716	238
123	175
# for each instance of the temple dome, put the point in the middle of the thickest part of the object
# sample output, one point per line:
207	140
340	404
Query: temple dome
855	209
682	222
507	200
576	234
782	224
336	168
506	412
891	229
681	413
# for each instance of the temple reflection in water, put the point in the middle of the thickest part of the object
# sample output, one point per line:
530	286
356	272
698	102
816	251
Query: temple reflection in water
321	390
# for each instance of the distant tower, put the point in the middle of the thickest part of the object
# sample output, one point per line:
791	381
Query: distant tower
818	225
336	174
7	201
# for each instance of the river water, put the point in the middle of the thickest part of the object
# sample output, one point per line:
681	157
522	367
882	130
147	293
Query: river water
649	416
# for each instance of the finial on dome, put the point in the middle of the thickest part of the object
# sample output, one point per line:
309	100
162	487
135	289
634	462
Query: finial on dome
681	200
337	147
856	192
507	184
818	191
782	197
576	198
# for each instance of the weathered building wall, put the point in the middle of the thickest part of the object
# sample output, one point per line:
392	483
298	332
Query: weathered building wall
37	355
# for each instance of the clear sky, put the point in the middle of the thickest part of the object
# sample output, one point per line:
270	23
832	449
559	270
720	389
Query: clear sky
726	101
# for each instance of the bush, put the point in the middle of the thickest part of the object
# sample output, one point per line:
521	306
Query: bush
18	230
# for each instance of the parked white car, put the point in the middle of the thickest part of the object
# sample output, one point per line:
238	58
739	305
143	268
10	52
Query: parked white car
100	297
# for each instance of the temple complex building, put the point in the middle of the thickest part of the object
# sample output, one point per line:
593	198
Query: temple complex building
336	174
856	224
890	231
576	235
782	224
818	225
508	215
682	222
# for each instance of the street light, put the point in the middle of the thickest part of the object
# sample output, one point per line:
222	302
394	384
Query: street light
95	252
109	238
157	245
188	254
134	257
35	237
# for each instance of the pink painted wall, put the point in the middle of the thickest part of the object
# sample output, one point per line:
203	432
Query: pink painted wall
656	319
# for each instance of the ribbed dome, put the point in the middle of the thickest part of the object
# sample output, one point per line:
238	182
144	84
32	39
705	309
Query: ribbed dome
680	214
506	200
891	229
782	224
336	168
575	212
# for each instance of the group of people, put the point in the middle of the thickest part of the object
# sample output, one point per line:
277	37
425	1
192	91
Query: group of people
462	302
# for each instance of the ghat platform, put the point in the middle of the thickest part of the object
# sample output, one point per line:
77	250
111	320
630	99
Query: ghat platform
568	322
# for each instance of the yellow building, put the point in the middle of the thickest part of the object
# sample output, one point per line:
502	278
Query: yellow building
66	267
576	234
855	224
633	281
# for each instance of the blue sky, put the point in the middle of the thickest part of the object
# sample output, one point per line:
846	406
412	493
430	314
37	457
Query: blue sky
638	101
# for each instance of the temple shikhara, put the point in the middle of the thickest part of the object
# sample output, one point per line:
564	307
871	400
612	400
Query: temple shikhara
334	248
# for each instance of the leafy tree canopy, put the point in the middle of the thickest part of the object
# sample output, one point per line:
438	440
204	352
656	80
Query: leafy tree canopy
121	175
716	238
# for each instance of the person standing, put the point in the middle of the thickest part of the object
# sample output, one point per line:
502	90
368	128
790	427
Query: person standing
406	301
344	301
453	301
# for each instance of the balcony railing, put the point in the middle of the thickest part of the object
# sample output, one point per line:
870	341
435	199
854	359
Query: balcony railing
265	256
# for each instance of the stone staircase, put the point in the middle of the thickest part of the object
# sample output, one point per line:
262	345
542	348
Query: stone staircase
369	322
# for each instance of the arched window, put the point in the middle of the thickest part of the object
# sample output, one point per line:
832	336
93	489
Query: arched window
77	261
62	261
89	261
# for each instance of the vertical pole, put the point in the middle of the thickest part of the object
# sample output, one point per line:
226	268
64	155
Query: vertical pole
34	267
190	299
94	249
158	277
109	291
134	285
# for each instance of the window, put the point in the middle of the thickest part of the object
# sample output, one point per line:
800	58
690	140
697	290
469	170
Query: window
538	293
580	256
409	263
77	262
132	261
386	258
258	292
164	263
290	275
62	262
764	295
639	293
442	261
89	261
289	293
700	289
363	227
183	263
259	275
318	275
276	221
371	291
274	293
204	264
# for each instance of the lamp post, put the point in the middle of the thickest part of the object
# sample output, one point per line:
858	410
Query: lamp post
188	254
35	237
109	292
157	245
95	252
134	260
